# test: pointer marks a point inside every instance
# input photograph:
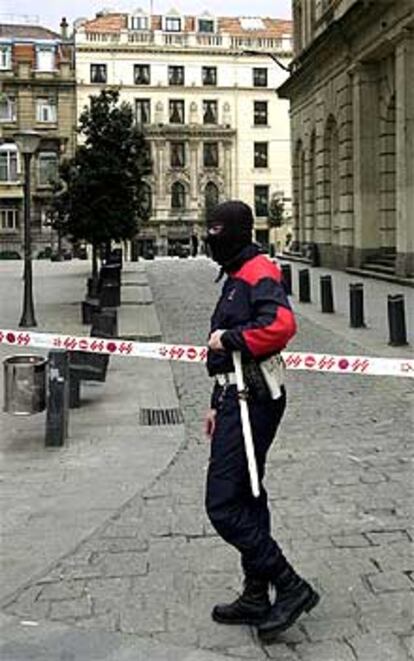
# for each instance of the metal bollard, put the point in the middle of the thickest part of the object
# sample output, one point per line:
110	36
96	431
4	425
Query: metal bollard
57	415
356	305
287	277
396	321
327	294
304	286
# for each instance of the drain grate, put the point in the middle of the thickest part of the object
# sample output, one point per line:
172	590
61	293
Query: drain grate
152	417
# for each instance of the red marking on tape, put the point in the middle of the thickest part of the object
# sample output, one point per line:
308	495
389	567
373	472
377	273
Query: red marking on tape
407	367
57	342
23	339
97	346
326	363
163	351
343	364
191	353
203	353
310	361
125	348
83	344
175	353
360	365
111	346
70	343
293	361
10	337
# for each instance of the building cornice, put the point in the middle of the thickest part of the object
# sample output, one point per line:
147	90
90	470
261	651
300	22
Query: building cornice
136	48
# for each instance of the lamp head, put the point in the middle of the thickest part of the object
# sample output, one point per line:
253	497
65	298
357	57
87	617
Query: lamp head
27	141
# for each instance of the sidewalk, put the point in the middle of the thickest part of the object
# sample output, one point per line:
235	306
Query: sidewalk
374	338
52	498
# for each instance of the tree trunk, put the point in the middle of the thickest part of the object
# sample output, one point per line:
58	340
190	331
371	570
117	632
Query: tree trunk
94	261
108	251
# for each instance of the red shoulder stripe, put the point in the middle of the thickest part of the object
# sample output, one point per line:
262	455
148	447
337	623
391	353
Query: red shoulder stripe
258	268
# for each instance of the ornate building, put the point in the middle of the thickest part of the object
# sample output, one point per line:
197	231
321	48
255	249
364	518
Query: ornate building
37	92
352	126
203	89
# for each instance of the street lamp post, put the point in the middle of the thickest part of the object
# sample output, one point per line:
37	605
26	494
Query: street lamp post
27	142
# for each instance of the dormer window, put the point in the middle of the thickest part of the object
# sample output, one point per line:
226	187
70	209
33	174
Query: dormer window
206	25
45	58
139	22
172	24
5	58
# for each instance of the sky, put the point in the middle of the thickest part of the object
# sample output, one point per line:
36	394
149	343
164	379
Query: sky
49	12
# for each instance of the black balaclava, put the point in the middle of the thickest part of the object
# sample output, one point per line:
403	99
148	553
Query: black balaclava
229	230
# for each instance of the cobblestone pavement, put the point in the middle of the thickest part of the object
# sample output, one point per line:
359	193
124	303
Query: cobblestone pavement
340	484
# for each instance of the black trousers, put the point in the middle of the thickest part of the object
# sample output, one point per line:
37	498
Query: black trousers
238	517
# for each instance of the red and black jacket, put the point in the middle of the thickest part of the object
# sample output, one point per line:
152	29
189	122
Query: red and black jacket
254	311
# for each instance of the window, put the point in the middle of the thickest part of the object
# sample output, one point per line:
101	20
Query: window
259	77
99	73
173	24
209	75
143	111
47	168
8	163
260	154
261	200
205	25
176	112
142	74
176	75
210	154
5	57
139	23
211	198
209	112
145	200
260	113
45	58
7	108
46	110
177	154
9	219
177	196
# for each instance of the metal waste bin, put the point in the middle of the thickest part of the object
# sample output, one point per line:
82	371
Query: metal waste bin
24	384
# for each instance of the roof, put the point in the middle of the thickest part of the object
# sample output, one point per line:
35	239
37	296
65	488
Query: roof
233	25
27	32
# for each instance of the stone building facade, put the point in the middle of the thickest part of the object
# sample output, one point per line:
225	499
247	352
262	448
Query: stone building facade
37	92
352	126
208	107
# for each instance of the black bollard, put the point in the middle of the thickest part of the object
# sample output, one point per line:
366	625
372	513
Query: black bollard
304	286
287	277
356	305
110	295
327	294
57	415
396	321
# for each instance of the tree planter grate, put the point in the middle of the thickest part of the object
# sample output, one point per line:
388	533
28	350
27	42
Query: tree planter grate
153	417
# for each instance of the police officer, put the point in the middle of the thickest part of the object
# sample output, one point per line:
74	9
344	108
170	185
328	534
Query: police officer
252	316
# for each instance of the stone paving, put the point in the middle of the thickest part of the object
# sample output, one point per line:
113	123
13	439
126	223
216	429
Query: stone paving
340	482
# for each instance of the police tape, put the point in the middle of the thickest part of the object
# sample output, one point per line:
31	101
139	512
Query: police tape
313	362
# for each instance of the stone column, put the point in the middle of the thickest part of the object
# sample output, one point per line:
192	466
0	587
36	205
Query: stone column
193	145
404	71
160	169
227	169
365	161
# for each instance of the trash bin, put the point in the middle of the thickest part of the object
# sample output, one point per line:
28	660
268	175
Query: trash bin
24	384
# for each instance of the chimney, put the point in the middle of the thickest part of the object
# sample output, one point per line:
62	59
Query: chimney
64	28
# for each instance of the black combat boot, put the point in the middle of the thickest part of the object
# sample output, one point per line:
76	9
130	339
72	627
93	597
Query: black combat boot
252	607
294	596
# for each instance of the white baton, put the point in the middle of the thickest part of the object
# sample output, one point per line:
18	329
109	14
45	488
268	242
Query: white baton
246	426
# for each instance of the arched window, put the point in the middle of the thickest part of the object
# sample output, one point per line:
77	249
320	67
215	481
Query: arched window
211	197
177	196
145	200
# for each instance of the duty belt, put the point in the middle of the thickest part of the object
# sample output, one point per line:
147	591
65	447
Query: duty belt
228	379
